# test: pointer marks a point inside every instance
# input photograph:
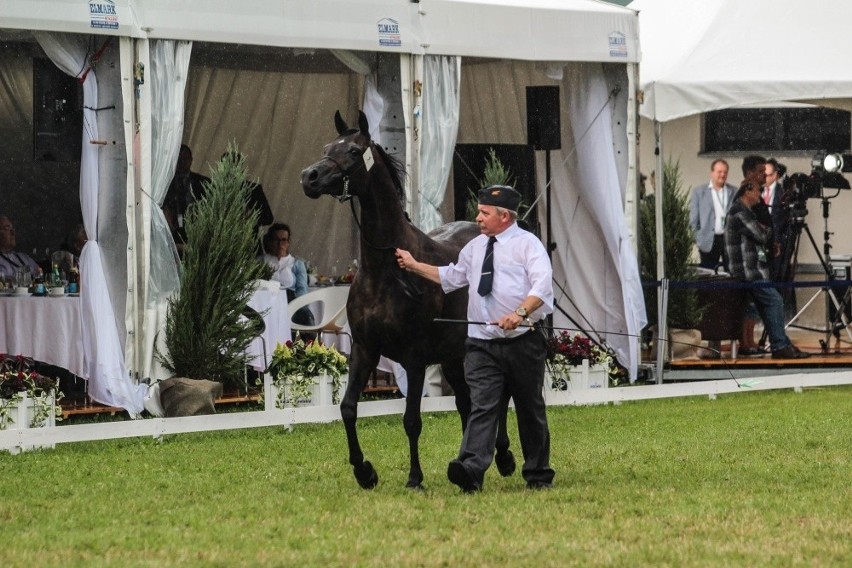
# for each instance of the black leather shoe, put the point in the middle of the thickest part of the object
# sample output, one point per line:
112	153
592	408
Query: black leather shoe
790	352
458	475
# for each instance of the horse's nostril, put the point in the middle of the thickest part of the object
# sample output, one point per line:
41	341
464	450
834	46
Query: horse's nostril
313	175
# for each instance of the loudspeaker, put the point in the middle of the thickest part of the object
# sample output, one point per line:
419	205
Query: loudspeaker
543	129
57	114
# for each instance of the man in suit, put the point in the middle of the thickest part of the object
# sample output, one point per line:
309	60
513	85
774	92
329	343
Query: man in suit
773	192
708	208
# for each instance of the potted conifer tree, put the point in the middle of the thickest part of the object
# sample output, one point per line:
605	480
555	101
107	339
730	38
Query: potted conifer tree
684	311
206	336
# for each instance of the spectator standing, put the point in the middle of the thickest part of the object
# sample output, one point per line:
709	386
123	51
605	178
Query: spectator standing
746	240
708	208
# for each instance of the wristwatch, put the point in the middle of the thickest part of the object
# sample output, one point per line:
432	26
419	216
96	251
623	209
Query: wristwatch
522	311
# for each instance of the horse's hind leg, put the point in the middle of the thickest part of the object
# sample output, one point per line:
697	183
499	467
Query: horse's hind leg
504	458
359	371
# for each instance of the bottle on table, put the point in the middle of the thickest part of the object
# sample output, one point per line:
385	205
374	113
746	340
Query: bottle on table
38	284
55	278
74	281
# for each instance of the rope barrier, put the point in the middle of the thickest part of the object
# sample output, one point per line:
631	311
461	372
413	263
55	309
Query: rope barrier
729	284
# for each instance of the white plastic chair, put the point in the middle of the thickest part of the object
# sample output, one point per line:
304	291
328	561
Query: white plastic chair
332	304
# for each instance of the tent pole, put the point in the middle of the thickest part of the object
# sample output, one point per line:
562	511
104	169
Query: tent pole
662	327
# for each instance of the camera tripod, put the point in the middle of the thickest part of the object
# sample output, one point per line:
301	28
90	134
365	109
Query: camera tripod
787	269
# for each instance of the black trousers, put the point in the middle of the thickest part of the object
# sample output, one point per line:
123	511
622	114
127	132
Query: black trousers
515	366
711	259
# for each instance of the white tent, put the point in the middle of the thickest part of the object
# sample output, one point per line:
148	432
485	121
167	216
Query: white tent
596	263
704	56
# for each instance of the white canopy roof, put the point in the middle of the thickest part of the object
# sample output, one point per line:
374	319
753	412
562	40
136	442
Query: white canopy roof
715	54
533	30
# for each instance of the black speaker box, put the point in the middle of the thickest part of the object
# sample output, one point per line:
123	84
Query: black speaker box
57	114
543	129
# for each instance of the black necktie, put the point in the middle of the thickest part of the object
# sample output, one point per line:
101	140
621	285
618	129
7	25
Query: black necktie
487	269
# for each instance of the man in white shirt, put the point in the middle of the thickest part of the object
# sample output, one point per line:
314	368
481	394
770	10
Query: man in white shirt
510	281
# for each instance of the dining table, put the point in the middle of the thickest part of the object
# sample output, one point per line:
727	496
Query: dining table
49	328
46	328
271	303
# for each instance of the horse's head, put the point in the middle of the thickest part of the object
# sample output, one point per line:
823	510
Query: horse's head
346	162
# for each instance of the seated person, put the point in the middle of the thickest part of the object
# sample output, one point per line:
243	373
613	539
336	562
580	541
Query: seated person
747	240
288	270
10	259
76	240
69	255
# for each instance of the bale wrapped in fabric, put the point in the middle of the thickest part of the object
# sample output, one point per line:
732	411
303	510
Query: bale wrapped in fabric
181	396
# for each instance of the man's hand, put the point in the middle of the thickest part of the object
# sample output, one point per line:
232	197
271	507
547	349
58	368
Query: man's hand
404	259
510	321
407	263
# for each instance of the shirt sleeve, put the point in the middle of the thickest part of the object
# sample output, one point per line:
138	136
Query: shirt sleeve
455	275
300	274
540	275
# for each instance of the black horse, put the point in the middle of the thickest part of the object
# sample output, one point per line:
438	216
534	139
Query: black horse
391	312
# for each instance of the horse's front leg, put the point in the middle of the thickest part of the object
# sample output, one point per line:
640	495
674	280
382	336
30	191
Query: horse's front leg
361	364
413	423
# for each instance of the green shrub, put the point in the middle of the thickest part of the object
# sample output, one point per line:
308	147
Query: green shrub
683	311
205	335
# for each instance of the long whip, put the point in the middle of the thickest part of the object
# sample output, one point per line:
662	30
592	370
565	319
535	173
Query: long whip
748	383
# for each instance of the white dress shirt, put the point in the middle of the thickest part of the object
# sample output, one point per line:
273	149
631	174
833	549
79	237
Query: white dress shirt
283	269
521	269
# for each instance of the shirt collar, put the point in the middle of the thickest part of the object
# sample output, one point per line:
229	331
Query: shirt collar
508	233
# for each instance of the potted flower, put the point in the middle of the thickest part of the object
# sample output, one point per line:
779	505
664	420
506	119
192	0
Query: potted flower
302	370
574	356
20	384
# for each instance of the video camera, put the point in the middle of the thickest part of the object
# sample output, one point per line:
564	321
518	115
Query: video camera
826	171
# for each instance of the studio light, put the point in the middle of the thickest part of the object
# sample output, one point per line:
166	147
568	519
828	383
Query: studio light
832	163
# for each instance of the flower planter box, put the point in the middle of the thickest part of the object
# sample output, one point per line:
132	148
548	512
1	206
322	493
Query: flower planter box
589	376
320	393
579	378
22	413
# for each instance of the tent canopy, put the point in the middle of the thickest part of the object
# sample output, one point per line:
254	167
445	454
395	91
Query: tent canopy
552	30
255	96
704	56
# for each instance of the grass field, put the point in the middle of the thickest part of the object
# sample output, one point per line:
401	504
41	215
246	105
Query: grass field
756	479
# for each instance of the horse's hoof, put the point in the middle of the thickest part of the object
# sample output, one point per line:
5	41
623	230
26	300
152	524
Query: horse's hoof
415	486
366	475
505	463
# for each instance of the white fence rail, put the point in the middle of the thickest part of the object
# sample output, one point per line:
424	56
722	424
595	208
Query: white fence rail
14	440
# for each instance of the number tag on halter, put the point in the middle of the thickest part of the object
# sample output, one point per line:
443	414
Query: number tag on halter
368	158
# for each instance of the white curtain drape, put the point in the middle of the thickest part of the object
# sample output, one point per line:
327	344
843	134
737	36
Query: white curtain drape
440	125
168	68
108	380
596	212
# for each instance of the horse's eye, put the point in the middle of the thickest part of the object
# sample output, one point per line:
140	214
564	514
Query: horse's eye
355	151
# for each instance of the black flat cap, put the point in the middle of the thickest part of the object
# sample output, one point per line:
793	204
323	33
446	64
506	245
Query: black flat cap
500	196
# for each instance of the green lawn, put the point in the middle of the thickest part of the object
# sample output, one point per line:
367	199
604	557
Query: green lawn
753	479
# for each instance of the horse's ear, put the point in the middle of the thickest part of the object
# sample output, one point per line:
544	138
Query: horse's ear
339	123
363	126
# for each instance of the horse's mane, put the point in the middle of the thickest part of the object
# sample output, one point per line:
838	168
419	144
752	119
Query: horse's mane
396	170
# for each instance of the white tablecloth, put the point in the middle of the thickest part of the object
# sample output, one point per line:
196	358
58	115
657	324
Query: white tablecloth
47	329
272	304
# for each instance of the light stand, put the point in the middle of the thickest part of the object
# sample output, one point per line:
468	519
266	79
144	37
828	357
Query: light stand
832	325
